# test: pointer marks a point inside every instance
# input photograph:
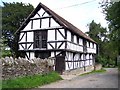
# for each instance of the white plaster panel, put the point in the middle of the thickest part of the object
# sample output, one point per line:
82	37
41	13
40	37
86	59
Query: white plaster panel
82	57
29	36
32	55
68	35
94	45
23	39
76	57
45	23
58	44
91	62
49	47
51	35
28	27
53	44
46	14
63	46
52	54
20	47
87	63
41	11
36	24
91	45
57	53
66	66
36	16
75	39
87	56
59	36
82	63
87	44
80	41
21	34
31	47
54	23
27	54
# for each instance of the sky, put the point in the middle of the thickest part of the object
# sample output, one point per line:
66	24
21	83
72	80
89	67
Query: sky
78	12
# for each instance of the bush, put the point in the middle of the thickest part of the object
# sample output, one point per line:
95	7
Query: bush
106	62
6	53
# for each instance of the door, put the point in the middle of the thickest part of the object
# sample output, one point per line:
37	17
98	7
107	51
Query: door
60	64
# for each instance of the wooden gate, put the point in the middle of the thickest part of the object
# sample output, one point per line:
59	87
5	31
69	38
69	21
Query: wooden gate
60	64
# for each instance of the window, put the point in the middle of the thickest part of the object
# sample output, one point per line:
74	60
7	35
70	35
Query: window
40	39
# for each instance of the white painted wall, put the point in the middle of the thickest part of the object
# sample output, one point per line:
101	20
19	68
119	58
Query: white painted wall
30	36
75	39
51	35
20	47
74	47
32	55
23	39
45	23
54	23
80	41
28	27
68	35
59	36
36	24
52	54
69	57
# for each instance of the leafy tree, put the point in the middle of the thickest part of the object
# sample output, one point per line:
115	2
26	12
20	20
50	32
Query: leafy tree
112	12
13	14
99	34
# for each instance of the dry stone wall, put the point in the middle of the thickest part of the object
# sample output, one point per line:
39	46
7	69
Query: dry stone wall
12	68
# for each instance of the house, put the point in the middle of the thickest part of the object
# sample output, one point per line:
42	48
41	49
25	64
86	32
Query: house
46	34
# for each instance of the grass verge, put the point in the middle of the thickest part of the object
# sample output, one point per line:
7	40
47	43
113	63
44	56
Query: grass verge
30	81
94	71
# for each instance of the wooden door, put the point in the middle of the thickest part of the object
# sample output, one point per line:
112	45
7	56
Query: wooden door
60	64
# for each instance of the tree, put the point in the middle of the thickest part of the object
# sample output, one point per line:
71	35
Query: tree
112	12
13	14
97	33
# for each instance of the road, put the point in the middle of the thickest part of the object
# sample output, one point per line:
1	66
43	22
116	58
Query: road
109	79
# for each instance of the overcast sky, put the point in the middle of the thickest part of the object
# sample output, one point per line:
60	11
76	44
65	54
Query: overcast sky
78	12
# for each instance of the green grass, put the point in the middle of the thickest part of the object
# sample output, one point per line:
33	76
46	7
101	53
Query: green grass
94	71
31	81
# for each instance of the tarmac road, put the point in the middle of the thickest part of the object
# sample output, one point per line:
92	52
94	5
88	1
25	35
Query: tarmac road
109	79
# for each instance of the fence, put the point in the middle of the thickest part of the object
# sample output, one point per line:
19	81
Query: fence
12	68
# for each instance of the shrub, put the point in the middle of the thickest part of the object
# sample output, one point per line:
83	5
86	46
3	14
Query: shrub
106	62
6	53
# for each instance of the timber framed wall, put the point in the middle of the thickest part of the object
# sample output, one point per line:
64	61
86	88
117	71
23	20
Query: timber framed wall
45	34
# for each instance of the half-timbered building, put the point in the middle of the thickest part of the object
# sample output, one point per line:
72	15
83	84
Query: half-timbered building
46	34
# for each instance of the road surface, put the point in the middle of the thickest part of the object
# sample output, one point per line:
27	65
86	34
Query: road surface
108	79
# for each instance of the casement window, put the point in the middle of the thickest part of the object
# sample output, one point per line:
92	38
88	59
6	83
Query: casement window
40	39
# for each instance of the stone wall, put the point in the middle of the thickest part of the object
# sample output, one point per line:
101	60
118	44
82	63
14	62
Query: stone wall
98	66
12	68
